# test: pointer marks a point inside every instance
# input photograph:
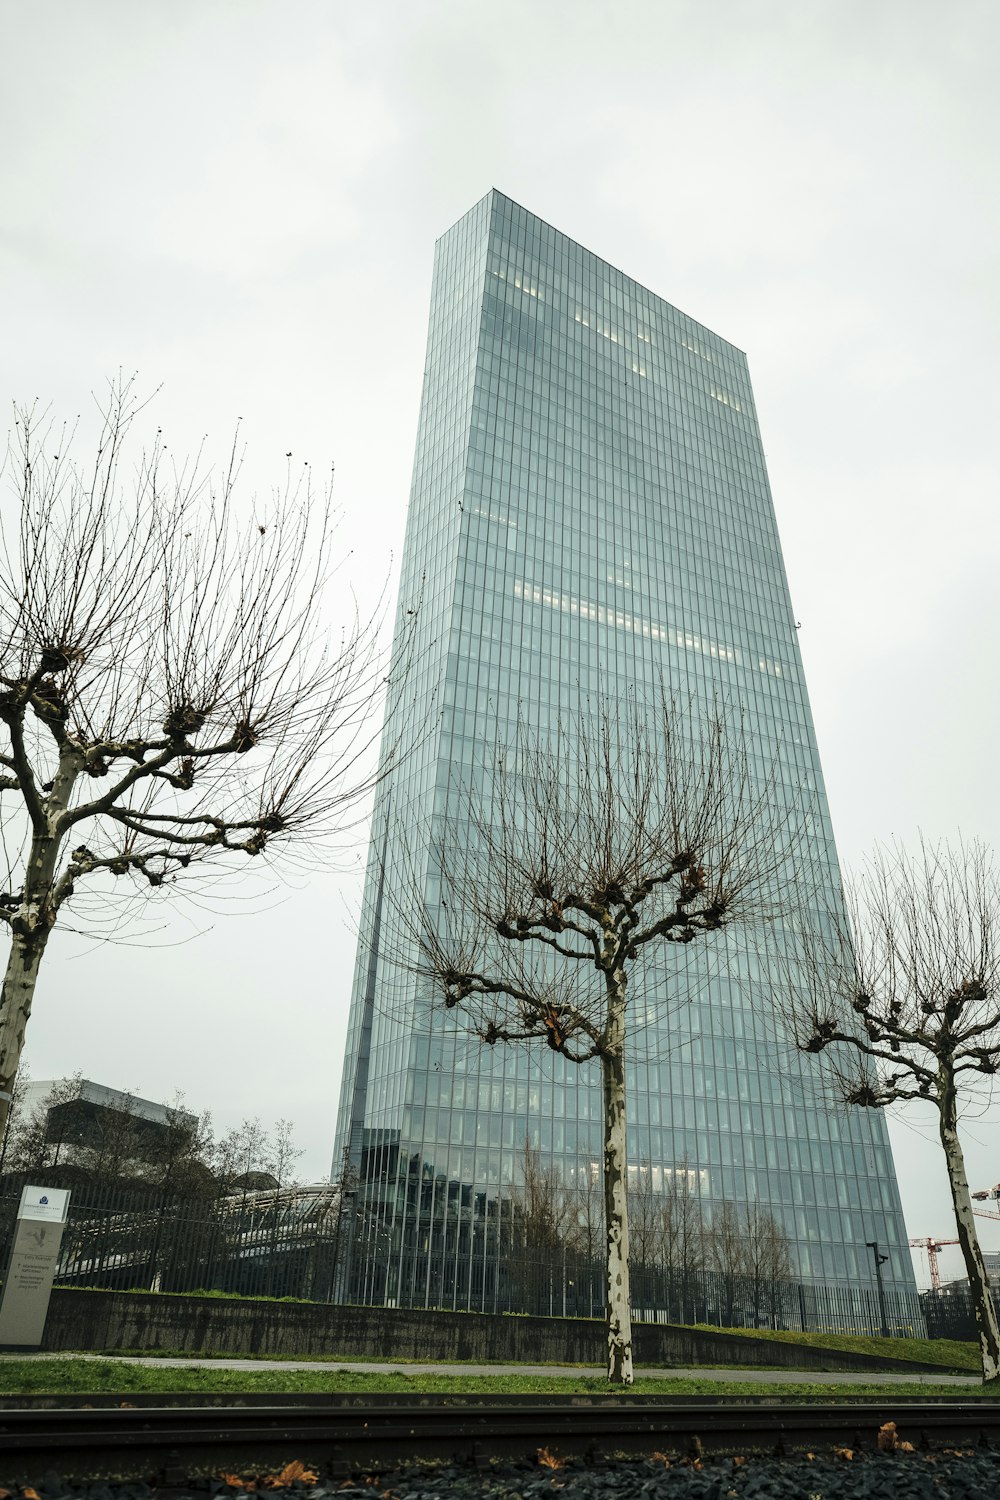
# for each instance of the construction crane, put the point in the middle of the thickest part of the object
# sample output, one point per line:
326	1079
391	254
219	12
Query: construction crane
932	1247
981	1197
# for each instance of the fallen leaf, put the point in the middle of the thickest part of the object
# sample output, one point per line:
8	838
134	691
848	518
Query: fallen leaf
907	1448
236	1483
886	1441
549	1460
296	1470
661	1458
843	1452
29	1493
738	1459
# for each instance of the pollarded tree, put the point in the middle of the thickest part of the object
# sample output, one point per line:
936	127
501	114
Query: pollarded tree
630	828
169	697
905	1006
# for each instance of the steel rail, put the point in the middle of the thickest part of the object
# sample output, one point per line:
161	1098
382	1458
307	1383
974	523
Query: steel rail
172	1442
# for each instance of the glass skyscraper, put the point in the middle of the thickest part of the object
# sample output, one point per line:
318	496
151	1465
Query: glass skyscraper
590	512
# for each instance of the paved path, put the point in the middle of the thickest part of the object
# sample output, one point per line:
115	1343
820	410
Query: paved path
329	1367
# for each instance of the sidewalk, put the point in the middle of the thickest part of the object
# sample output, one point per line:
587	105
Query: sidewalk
330	1367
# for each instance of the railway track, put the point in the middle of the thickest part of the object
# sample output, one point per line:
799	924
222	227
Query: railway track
170	1442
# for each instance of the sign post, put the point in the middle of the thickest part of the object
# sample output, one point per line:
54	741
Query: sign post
28	1284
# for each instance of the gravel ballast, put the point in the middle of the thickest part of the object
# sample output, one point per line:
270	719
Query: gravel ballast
949	1475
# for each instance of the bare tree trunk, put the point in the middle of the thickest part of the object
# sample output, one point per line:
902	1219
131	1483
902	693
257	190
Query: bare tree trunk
615	1184
979	1286
32	922
30	930
15	1008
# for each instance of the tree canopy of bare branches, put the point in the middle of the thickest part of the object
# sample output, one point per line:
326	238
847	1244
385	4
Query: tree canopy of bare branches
747	1245
633	827
905	1006
169	696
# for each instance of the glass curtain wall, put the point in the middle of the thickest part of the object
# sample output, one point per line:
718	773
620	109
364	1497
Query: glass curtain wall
590	513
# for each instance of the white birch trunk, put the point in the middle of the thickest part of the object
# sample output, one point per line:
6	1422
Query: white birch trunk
979	1286
616	1185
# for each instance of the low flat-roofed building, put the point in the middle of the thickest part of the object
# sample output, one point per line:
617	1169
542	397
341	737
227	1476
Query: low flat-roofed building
80	1111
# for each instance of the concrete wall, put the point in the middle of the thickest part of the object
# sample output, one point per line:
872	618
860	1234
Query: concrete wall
110	1321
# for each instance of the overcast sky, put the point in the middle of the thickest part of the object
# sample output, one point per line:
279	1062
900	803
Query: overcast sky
239	200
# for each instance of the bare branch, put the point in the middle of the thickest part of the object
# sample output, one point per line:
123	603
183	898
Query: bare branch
910	989
169	690
561	860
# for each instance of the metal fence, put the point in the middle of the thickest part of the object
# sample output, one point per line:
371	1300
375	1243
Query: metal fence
492	1279
471	1267
298	1243
281	1243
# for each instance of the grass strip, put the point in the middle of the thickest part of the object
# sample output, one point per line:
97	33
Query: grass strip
76	1376
950	1354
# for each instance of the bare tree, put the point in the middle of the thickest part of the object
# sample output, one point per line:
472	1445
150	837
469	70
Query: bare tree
724	1240
243	1159
17	1126
905	1005
684	1236
106	1144
769	1265
30	1144
749	1251
645	1218
282	1154
542	1209
538	1229
178	1153
587	1212
586	1236
168	694
646	1227
630	828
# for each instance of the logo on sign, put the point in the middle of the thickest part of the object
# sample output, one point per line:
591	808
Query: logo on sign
43	1198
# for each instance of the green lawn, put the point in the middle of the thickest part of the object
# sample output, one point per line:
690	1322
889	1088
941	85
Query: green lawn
950	1354
68	1375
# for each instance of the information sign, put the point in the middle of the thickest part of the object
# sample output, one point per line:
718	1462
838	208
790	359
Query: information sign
32	1268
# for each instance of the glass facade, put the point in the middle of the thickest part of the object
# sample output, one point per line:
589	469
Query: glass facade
590	512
